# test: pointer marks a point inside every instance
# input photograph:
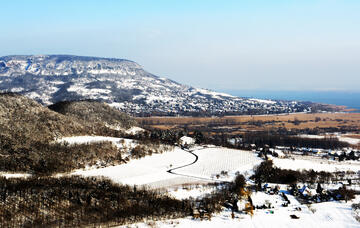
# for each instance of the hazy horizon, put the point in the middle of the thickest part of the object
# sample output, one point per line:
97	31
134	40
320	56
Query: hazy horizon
247	45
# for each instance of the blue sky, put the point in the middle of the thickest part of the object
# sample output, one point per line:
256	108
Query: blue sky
221	45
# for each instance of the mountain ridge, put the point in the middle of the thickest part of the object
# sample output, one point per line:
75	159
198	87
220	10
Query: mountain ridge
123	84
14	65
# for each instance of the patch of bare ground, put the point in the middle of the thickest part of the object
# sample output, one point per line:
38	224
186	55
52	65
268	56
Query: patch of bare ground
357	136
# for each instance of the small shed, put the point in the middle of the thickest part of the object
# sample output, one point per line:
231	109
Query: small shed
185	140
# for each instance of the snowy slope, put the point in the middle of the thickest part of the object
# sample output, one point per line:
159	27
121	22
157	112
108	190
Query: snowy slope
123	84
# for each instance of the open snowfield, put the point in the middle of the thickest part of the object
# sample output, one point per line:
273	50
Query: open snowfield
211	161
343	138
152	171
350	140
185	193
119	142
317	164
14	175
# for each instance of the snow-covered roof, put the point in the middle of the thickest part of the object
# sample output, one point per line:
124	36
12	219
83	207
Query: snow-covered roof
186	140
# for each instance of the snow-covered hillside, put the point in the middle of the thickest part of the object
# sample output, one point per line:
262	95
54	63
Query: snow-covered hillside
123	84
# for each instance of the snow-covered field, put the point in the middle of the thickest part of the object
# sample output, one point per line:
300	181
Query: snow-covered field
119	142
317	164
14	175
212	161
341	137
152	171
349	140
187	192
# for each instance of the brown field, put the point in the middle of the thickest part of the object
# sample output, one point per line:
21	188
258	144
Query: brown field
354	136
262	122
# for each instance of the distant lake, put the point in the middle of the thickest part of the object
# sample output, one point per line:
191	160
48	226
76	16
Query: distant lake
349	99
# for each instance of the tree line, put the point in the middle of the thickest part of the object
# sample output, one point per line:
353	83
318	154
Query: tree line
271	139
267	172
76	201
262	138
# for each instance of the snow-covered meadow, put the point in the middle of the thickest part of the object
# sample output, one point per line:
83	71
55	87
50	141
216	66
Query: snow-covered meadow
119	142
202	164
340	137
213	161
14	175
152	171
148	171
315	163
